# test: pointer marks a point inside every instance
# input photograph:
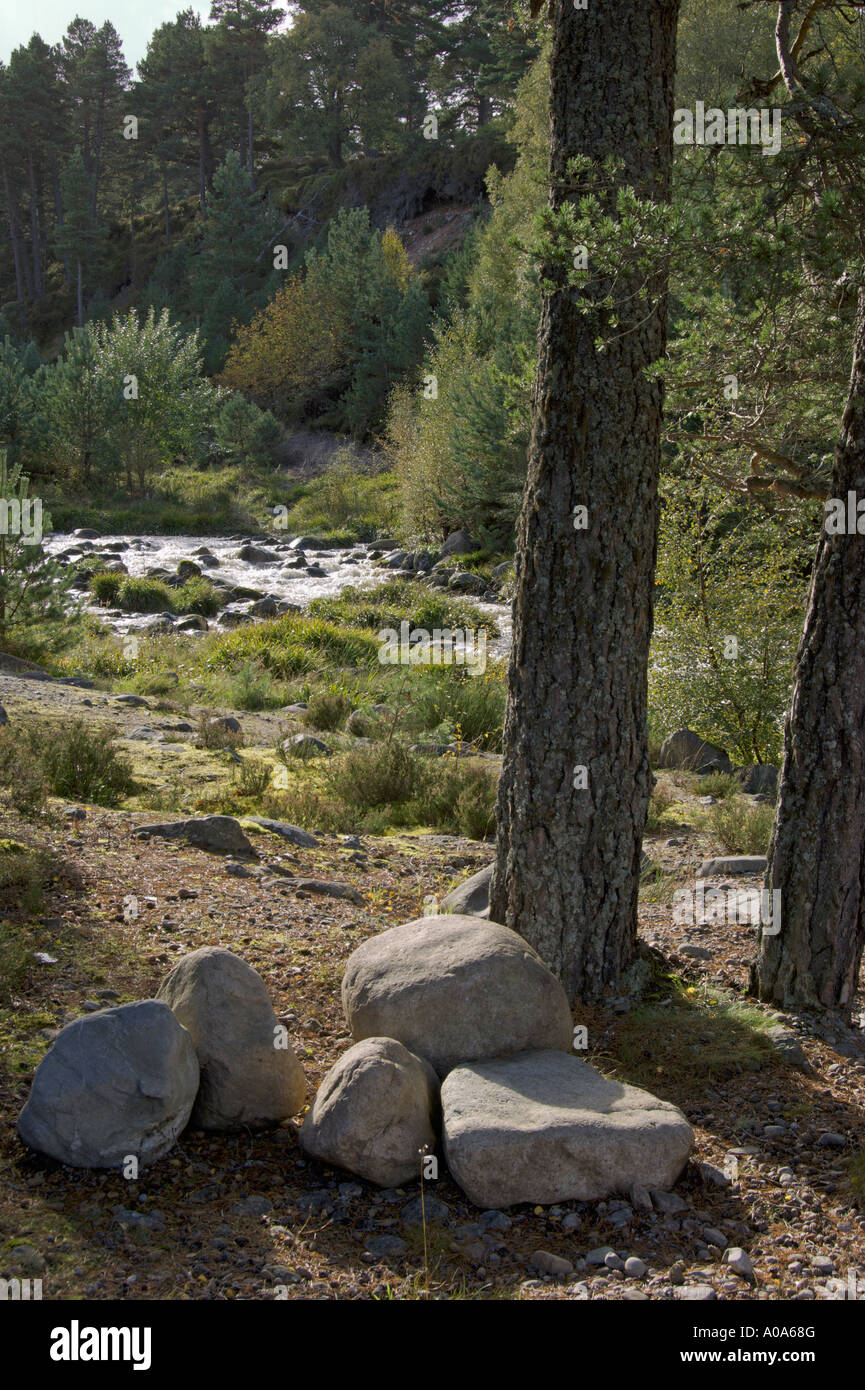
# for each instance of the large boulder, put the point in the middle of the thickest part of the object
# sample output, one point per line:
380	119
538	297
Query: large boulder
454	989
373	1113
544	1127
220	833
760	780
458	543
686	750
472	897
118	1083
249	1073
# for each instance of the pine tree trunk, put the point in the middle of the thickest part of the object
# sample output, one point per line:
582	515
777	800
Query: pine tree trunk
15	238
817	854
567	868
34	228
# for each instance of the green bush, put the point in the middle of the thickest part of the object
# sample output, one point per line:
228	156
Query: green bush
140	595
72	758
105	588
197	596
327	710
290	645
743	827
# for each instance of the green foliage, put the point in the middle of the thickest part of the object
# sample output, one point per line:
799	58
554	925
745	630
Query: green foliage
729	616
162	400
73	758
141	595
105	588
244	432
32	586
742	826
290	645
328	709
396	601
346	499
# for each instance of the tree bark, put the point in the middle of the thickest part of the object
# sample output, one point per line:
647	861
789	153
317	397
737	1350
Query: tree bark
817	853
15	239
567	867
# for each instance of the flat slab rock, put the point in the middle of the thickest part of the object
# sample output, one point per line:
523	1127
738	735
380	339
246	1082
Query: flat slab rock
222	834
754	864
545	1127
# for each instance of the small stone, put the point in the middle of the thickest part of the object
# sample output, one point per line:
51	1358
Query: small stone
386	1246
821	1264
677	1273
696	1293
669	1203
613	1261
599	1256
635	1268
640	1198
551	1264
635	1296
712	1236
713	1176
432	1209
739	1261
831	1141
254	1205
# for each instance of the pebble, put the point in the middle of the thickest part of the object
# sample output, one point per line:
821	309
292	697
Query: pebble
739	1260
386	1245
614	1261
696	1293
599	1256
551	1264
831	1141
635	1268
669	1203
254	1205
712	1236
414	1214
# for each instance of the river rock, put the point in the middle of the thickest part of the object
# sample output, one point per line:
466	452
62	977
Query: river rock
220	833
246	1078
114	1084
373	1113
188	569
472	897
546	1127
256	555
685	749
453	989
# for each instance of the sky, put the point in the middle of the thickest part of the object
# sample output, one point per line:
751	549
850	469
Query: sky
134	20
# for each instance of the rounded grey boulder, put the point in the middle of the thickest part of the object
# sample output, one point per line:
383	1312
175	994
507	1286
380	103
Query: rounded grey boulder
249	1073
373	1113
454	989
114	1084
